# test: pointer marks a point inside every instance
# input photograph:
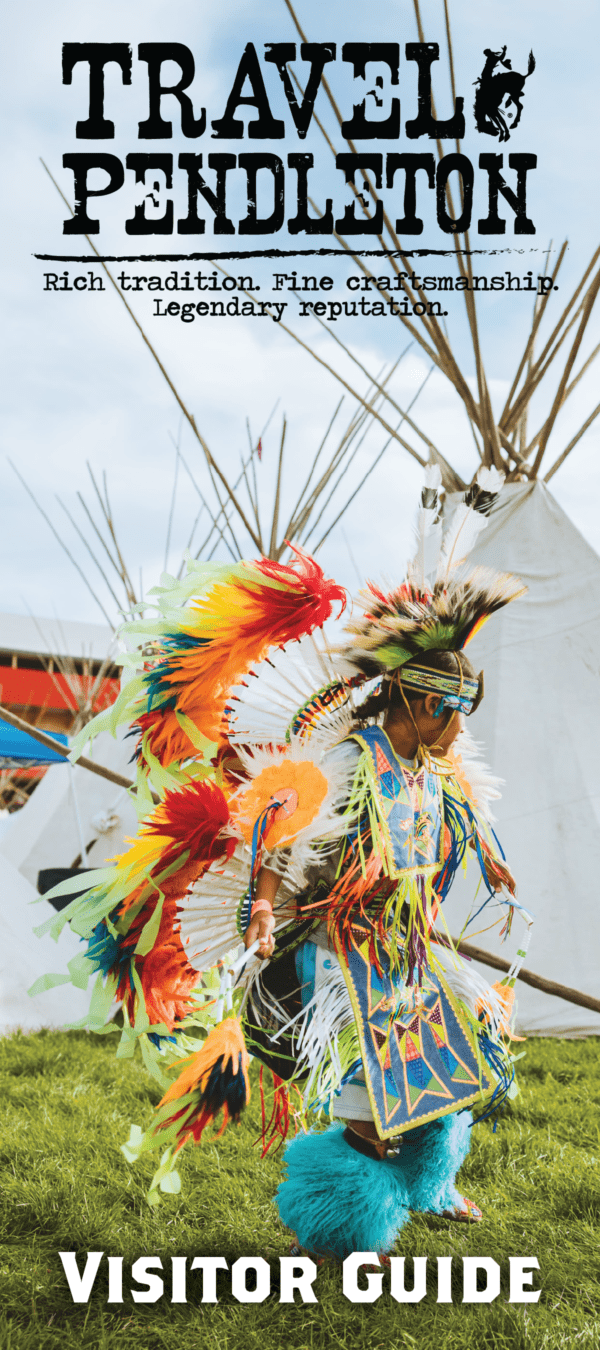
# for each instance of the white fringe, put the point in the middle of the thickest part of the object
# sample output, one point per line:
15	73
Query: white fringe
470	987
319	1024
483	783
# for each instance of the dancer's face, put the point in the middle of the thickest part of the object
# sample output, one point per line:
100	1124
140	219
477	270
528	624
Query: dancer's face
437	732
406	729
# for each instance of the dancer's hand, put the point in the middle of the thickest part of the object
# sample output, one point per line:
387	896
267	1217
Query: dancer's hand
262	924
261	928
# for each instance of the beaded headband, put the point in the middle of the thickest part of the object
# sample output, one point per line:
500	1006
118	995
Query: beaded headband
458	691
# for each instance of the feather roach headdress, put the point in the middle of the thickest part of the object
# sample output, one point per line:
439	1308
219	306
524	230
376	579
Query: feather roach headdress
442	603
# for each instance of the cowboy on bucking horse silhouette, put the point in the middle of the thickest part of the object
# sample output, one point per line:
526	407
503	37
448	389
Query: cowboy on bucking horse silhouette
498	104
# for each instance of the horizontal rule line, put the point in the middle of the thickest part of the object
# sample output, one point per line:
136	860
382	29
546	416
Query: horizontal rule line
272	253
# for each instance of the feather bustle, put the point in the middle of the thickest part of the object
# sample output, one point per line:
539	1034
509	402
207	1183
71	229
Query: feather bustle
226	630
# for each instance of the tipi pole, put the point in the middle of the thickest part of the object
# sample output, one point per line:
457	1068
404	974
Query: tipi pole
527	976
211	462
60	749
561	458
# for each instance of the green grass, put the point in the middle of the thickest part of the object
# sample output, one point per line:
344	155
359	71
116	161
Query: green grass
67	1107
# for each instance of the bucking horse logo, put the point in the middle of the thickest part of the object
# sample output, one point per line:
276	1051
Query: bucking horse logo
498	100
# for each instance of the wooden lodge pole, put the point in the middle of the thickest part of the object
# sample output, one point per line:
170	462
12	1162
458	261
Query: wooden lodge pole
527	976
63	750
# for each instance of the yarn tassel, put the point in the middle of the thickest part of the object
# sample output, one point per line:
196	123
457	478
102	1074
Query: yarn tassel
417	939
261	826
502	1067
277	1127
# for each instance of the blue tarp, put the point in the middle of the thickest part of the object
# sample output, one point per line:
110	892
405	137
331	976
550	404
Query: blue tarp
16	747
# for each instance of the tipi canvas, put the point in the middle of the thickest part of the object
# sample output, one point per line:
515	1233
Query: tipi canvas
540	727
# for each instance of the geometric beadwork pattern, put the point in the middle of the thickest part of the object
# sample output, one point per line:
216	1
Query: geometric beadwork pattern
418	1053
410	803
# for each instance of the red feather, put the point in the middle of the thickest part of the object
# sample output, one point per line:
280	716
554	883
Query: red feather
192	819
309	601
235	624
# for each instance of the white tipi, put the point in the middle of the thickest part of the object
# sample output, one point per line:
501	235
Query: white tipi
541	730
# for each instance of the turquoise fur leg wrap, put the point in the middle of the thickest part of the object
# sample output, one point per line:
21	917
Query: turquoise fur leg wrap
430	1162
338	1201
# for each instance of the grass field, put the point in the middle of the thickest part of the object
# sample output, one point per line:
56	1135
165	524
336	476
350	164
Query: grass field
68	1105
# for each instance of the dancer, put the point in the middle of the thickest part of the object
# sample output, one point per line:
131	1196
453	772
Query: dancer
323	828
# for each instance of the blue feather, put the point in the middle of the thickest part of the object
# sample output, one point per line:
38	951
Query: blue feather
157	680
108	953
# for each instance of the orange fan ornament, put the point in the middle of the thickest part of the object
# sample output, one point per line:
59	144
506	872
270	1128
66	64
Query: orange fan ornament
293	793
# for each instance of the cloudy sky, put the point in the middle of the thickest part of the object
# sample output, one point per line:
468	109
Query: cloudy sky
80	385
